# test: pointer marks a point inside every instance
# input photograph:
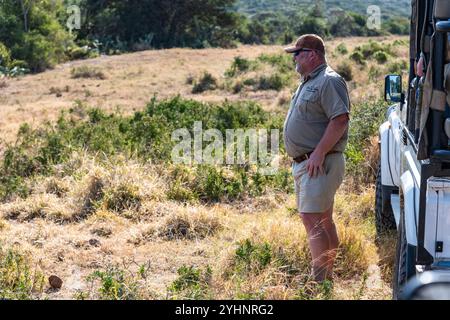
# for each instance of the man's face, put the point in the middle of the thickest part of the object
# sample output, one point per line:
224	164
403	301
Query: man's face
303	58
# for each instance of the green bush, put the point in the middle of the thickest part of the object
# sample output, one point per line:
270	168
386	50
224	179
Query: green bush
370	48
238	66
342	49
358	57
85	52
5	56
345	70
117	284
365	121
272	82
206	82
17	280
282	62
192	283
397	67
144	135
381	57
252	257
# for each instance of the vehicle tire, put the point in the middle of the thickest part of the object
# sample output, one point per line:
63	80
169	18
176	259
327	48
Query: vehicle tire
384	217
402	269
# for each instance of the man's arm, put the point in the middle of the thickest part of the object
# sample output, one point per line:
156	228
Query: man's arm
333	133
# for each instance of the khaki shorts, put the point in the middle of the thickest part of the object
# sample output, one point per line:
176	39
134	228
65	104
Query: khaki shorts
316	195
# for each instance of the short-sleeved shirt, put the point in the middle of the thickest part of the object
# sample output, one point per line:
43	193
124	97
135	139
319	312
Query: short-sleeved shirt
320	98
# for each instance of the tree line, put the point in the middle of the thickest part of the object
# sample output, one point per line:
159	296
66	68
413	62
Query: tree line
34	33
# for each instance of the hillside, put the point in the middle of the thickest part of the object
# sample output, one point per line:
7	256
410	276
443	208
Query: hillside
92	197
388	7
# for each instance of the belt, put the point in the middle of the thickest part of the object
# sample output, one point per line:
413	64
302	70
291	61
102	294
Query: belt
305	156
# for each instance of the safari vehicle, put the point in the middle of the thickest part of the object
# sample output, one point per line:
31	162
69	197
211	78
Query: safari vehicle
413	181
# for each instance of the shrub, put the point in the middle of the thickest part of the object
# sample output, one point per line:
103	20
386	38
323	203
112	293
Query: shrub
282	62
345	70
342	49
192	283
397	67
252	257
87	72
5	56
237	87
239	65
366	118
272	82
374	73
381	57
117	284
17	279
84	52
206	82
144	135
358	57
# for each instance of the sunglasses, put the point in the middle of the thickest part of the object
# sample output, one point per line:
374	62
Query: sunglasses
296	53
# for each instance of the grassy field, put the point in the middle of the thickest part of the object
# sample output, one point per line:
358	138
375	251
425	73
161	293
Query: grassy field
90	195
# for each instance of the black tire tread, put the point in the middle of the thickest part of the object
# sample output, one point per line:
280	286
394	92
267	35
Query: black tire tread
385	219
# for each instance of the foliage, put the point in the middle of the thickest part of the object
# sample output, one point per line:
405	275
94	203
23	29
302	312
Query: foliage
342	49
116	283
345	70
17	279
365	121
144	135
192	283
238	66
36	32
206	82
381	57
33	33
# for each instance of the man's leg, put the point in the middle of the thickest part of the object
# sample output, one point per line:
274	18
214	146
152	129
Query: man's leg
323	242
333	241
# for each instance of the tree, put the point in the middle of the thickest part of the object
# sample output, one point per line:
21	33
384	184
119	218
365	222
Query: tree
26	6
172	23
32	33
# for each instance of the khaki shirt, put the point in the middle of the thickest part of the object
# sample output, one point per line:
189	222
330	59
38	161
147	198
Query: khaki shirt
319	98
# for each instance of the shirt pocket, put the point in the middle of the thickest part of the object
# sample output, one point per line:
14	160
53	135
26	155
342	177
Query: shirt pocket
308	104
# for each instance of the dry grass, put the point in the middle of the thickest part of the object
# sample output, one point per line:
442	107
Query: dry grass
87	72
93	214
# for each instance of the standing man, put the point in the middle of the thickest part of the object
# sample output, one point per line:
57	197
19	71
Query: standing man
315	136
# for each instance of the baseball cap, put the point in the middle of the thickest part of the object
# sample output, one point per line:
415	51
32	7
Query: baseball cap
307	41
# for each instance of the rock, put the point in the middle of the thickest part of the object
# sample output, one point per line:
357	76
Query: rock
94	242
55	282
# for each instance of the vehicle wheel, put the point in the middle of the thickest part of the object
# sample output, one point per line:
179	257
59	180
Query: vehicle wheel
401	261
384	217
404	261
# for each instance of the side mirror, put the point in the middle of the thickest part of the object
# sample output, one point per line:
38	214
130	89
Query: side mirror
393	88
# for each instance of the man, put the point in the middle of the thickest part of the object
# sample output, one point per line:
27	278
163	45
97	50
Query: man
315	136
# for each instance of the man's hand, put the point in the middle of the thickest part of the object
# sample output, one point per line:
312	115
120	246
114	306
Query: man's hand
335	129
315	164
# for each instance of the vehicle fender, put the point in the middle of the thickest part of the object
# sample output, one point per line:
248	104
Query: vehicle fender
387	178
410	196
